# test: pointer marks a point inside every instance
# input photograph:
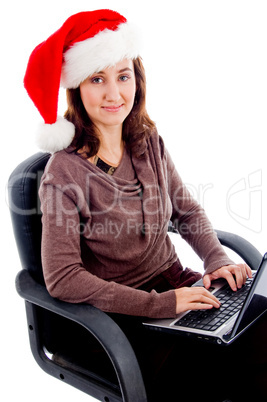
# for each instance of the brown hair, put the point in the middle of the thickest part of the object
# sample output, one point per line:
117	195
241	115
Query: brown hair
136	127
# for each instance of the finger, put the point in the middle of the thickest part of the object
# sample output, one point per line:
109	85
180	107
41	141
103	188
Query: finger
200	306
244	272
204	296
248	271
206	281
208	300
239	277
240	272
230	279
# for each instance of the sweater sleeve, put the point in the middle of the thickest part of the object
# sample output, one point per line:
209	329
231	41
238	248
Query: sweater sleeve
191	221
65	275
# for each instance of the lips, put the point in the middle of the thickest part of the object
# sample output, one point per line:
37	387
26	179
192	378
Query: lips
112	109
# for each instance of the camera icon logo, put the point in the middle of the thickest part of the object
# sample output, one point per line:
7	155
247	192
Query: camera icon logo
244	201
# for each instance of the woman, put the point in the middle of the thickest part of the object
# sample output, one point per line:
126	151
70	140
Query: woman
110	189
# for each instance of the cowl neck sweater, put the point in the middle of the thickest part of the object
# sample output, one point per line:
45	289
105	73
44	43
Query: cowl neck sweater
104	236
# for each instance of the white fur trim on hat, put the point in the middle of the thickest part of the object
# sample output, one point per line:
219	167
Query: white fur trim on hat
55	137
105	49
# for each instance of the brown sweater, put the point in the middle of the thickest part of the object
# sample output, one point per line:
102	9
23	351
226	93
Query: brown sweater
104	236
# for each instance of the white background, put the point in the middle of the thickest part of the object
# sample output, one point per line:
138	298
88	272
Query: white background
206	65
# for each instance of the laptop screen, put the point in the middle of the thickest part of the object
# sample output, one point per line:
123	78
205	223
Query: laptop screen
256	301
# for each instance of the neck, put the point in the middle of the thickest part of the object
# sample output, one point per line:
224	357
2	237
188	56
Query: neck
111	145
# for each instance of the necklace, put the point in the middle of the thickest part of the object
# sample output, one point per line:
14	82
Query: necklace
107	161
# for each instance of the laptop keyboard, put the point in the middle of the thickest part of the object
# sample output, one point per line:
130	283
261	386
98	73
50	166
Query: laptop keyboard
210	320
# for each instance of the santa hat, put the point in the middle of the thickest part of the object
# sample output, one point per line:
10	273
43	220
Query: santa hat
86	43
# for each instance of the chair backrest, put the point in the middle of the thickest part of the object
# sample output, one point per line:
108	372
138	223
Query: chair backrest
25	211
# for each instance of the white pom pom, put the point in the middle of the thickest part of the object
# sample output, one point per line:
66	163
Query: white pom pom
55	137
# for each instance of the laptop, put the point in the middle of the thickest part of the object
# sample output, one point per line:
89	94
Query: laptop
238	311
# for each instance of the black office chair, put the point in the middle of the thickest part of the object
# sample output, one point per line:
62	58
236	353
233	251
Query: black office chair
57	328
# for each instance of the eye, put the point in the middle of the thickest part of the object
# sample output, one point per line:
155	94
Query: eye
97	80
124	78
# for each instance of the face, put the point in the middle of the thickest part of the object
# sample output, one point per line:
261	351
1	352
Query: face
108	96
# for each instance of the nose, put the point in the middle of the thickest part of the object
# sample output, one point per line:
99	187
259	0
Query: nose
112	91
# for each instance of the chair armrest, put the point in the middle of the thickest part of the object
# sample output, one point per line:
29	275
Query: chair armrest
242	247
99	324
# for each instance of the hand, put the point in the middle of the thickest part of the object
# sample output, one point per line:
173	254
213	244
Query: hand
194	298
236	275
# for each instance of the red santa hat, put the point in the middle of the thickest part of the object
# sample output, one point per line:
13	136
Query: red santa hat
86	43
